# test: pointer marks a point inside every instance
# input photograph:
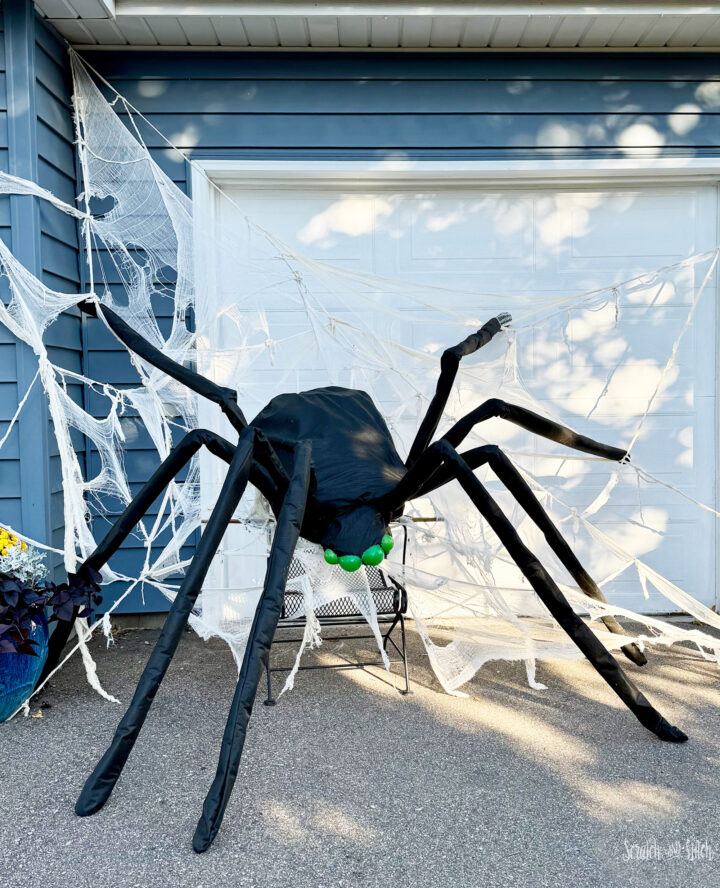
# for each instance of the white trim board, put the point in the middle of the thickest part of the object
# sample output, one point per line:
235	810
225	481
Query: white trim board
508	173
392	7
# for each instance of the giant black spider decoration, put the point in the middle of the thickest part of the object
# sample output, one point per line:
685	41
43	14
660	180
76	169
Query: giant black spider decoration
327	464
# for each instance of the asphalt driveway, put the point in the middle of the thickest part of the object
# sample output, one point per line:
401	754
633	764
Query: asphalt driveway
347	783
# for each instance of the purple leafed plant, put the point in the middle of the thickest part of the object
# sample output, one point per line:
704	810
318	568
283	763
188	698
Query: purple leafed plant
24	594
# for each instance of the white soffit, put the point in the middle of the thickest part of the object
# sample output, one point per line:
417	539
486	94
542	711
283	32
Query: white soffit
385	25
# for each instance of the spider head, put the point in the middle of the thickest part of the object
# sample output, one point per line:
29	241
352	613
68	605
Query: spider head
355	537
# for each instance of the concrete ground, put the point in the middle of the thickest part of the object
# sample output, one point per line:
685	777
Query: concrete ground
346	783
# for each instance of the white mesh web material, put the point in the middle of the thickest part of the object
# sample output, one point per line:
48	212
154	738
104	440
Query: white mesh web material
270	320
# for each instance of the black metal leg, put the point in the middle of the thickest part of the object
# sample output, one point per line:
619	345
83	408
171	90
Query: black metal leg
268	701
100	784
404	655
257	650
555	601
402	650
387	635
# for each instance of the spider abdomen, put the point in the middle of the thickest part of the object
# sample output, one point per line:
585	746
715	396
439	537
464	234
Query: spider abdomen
354	458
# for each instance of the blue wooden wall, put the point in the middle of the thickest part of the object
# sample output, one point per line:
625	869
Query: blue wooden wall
431	104
58	234
36	142
10	454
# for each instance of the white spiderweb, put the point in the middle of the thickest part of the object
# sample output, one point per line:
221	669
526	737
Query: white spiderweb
269	320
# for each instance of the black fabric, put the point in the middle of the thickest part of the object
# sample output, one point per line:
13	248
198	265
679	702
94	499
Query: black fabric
534	423
354	462
178	458
354	456
226	398
521	490
449	363
554	600
257	651
426	474
266	477
166	471
100	784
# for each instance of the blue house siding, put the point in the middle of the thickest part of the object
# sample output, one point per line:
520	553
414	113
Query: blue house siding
36	141
10	484
58	234
450	106
431	105
18	23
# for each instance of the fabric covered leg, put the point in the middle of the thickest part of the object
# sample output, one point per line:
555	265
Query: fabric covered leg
521	490
449	364
257	650
556	603
426	467
100	784
534	423
178	458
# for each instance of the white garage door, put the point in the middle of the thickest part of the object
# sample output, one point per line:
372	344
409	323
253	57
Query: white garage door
566	241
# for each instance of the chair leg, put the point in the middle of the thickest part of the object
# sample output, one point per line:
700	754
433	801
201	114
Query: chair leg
386	637
404	656
268	701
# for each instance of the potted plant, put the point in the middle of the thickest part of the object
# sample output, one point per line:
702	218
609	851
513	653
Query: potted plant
26	599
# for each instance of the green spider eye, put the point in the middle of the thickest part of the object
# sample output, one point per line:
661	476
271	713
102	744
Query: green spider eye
374	555
330	556
350	562
387	543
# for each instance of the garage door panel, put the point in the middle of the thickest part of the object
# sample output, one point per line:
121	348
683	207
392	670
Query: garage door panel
605	226
595	341
477	231
560	242
337	228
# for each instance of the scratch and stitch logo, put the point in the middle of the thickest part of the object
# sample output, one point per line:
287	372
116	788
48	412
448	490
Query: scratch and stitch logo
690	849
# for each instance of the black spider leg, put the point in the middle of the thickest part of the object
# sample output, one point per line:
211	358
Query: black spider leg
532	422
226	398
546	428
101	782
550	594
268	480
449	364
257	650
523	493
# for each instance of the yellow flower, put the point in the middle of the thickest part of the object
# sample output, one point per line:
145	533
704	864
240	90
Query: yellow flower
23	546
3	551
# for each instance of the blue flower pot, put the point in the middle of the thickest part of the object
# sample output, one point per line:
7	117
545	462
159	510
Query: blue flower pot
19	672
